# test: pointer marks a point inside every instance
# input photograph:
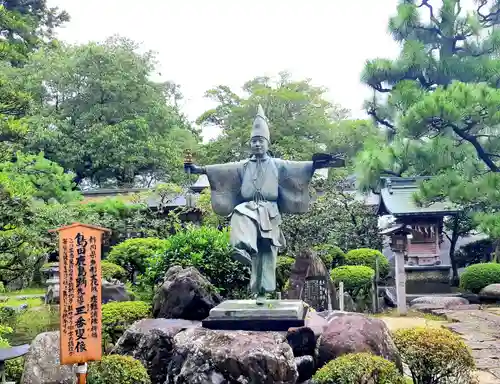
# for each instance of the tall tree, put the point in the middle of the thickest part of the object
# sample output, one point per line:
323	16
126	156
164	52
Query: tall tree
301	119
98	114
438	101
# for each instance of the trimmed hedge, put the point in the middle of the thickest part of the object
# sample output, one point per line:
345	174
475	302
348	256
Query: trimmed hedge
112	271
368	257
357	368
114	369
355	277
435	355
476	277
118	316
283	271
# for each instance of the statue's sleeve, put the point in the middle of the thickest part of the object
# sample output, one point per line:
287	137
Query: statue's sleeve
294	178
225	186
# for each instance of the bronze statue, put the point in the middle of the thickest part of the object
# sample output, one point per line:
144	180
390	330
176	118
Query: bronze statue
254	192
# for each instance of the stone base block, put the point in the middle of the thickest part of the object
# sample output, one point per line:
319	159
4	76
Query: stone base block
246	315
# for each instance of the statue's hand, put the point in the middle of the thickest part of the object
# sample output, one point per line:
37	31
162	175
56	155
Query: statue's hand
194	169
326	160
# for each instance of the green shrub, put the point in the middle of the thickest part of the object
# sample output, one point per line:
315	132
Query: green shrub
357	368
368	257
283	271
118	316
112	271
132	254
476	277
355	277
331	255
14	369
435	355
114	369
208	250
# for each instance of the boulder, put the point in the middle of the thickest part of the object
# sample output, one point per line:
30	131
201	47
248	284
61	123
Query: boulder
185	294
205	356
352	333
114	291
434	302
302	340
151	341
42	365
305	367
491	291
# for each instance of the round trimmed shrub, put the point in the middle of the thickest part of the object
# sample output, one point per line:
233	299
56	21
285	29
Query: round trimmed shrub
331	255
355	277
283	271
118	316
368	257
477	276
132	254
112	271
113	369
355	368
435	355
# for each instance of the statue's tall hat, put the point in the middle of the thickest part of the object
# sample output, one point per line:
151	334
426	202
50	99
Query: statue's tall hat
260	127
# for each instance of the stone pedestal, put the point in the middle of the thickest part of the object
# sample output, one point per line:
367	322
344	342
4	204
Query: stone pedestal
428	279
246	315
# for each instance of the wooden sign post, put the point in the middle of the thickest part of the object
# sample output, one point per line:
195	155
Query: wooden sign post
80	295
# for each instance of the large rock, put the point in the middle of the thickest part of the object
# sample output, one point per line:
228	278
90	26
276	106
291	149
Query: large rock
185	294
434	302
114	291
491	291
205	356
352	333
42	365
151	341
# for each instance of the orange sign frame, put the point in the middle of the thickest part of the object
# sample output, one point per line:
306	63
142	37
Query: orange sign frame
80	293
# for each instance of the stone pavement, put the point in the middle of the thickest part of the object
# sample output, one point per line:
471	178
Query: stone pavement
480	329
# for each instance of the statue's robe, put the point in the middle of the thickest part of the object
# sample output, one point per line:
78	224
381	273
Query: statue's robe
255	194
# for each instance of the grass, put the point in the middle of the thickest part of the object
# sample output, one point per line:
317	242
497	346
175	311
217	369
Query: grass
28	324
25	291
13	302
411	313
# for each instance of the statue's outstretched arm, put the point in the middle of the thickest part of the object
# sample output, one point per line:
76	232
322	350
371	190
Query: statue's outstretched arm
326	160
194	169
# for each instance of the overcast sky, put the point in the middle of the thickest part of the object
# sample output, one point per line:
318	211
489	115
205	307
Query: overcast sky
201	44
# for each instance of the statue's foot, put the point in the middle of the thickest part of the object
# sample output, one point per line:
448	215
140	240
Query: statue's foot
242	256
261	299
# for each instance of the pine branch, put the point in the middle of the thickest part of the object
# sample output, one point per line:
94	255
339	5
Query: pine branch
372	112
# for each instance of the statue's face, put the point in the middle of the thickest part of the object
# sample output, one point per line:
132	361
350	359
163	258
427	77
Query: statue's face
259	146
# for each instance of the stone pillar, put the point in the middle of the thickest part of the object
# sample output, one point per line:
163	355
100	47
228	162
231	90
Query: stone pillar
400	282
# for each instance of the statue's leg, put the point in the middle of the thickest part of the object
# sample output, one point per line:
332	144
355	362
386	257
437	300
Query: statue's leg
264	265
243	238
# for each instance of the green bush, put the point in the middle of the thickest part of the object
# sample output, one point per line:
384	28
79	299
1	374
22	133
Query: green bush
132	254
114	369
476	277
118	316
357	368
112	271
208	250
368	257
355	277
331	255
435	355
13	368
283	271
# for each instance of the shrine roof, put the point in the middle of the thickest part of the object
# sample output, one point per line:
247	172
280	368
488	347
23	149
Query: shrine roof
397	199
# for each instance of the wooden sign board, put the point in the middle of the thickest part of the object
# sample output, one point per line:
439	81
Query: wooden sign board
80	293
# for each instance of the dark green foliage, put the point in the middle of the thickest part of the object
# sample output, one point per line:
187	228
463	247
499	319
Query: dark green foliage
132	254
112	271
355	278
357	368
476	277
283	271
118	316
114	369
331	255
368	257
479	251
208	250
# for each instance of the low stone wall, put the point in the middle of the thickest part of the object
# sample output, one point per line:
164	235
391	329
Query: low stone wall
427	279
